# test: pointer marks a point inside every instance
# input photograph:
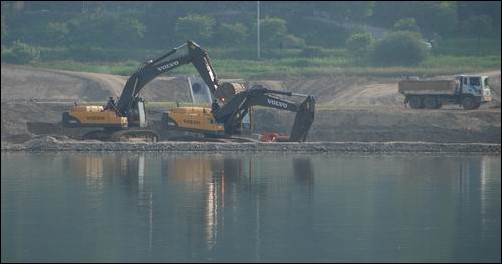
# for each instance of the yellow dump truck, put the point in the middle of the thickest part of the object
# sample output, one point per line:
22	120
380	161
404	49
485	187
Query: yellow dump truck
469	91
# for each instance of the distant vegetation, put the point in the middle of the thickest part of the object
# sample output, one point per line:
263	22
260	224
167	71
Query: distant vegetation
297	38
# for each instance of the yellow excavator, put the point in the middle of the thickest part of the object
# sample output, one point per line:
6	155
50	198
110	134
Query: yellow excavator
125	119
224	118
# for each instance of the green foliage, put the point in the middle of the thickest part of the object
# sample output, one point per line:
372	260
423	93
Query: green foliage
56	33
291	42
272	31
406	24
303	37
233	34
468	47
467	9
312	52
478	25
402	48
195	27
318	32
433	17
4	27
350	10
359	44
21	53
106	30
436	17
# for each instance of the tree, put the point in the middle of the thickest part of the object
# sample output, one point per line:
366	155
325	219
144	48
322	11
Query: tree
349	10
273	30
359	44
232	34
406	24
431	16
55	33
402	48
292	42
4	27
106	30
478	26
466	9
195	27
21	53
435	17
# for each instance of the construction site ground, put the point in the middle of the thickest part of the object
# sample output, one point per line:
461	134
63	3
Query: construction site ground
348	110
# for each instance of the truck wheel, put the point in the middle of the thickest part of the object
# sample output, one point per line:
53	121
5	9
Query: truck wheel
469	103
415	102
430	102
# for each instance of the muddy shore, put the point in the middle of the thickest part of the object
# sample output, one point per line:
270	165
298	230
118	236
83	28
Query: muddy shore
48	143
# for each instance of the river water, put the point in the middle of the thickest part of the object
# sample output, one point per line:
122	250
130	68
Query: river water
153	207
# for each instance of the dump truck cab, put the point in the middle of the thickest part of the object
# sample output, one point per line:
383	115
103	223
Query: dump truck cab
476	86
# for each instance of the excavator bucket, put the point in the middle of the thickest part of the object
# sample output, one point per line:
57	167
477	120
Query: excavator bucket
303	120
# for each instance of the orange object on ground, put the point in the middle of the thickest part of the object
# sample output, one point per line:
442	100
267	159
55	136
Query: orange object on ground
273	137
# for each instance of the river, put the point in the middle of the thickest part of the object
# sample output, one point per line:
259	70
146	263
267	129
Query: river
158	207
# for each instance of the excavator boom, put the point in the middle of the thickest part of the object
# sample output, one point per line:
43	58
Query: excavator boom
151	69
233	112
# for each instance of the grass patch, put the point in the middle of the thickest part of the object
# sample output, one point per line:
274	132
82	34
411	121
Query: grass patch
443	64
468	47
253	70
463	63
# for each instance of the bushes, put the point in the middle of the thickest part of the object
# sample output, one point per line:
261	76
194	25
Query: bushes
291	42
233	34
195	27
312	52
400	49
359	44
21	53
104	30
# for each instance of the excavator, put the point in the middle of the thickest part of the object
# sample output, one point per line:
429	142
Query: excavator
225	119
125	120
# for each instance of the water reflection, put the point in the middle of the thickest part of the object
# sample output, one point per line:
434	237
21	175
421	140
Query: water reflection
210	195
151	207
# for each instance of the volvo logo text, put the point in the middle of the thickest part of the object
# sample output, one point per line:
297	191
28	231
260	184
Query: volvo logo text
277	103
167	66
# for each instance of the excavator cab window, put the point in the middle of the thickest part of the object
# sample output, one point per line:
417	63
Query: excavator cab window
111	103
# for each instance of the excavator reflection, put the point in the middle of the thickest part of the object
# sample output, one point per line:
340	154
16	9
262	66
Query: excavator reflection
200	194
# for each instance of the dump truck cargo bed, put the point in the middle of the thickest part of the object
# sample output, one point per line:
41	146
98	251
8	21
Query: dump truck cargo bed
428	87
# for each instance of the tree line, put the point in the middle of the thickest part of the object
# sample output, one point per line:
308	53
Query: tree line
307	25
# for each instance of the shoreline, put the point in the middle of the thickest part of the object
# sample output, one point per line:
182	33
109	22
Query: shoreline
50	144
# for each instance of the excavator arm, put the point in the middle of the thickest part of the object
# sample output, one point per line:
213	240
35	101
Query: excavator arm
153	68
232	113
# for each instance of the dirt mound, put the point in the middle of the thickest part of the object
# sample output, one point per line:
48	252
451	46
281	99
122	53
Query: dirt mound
24	83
